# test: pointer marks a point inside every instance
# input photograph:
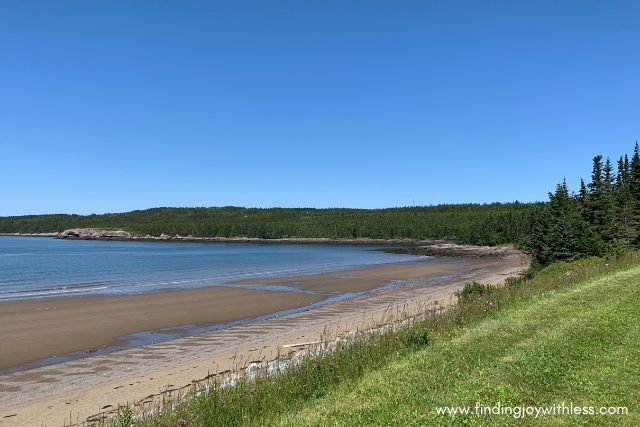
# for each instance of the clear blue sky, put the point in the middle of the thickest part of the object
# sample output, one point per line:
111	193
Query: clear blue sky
110	106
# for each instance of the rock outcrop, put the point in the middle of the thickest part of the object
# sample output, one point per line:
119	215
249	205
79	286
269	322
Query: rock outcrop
93	234
403	246
443	248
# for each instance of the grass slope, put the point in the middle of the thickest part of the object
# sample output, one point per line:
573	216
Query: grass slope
579	342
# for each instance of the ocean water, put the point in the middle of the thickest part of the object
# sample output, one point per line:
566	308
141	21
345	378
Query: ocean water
38	267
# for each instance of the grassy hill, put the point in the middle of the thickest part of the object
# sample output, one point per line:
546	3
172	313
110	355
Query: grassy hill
568	335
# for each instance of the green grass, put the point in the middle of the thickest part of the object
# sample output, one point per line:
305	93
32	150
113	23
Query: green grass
570	334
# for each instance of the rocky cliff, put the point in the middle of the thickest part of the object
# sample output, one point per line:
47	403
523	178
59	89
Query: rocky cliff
93	234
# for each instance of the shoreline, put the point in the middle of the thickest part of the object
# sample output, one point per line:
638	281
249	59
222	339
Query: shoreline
430	247
74	392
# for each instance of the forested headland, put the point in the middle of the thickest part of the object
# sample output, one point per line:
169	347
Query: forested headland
488	224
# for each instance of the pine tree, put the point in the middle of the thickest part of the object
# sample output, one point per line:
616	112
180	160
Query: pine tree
621	176
583	199
562	232
627	168
610	229
625	206
603	217
634	171
596	174
594	212
539	235
558	224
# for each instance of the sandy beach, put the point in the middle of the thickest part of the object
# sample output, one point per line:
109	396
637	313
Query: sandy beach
77	390
38	329
33	330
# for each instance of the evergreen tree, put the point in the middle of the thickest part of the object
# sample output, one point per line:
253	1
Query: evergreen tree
610	229
634	172
567	234
596	175
539	235
583	199
608	179
621	175
625	205
627	169
595	211
559	227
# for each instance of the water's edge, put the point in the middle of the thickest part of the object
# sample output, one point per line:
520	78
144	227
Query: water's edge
52	267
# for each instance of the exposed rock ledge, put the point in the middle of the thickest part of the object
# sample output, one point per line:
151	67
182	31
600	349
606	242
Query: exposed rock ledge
440	248
93	234
53	234
407	246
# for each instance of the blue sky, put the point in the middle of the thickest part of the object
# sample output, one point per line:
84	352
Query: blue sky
112	106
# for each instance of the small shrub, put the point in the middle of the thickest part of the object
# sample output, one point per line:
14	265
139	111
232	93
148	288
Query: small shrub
417	338
472	291
616	249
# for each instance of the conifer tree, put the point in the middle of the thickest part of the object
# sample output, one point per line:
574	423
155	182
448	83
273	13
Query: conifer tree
625	205
620	178
595	209
634	172
627	168
583	199
561	233
610	229
559	227
604	216
539	235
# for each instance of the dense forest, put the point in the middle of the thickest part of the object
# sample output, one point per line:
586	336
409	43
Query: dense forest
602	217
490	224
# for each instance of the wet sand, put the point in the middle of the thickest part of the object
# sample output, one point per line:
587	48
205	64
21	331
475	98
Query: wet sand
34	330
365	279
38	329
73	392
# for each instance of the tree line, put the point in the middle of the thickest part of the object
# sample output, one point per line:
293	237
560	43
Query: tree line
601	217
487	224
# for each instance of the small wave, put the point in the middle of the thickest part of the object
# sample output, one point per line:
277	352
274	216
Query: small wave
21	294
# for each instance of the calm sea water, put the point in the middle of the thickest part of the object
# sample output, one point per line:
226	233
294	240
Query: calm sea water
33	267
